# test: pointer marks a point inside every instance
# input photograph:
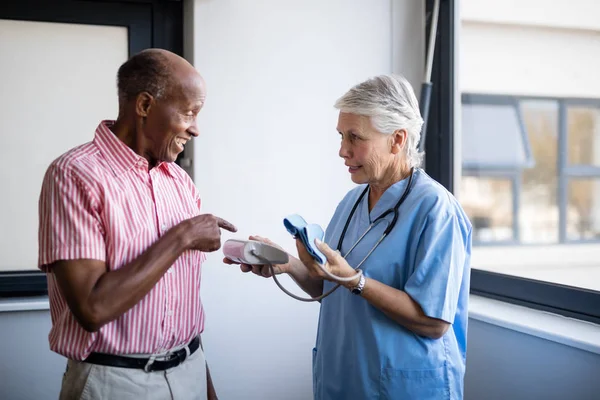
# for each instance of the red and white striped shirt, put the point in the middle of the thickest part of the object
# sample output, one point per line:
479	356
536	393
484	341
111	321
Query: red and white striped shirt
99	201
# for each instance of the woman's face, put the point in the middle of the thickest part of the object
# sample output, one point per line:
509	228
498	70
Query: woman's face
369	155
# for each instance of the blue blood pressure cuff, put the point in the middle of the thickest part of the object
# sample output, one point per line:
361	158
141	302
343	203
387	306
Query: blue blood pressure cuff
307	233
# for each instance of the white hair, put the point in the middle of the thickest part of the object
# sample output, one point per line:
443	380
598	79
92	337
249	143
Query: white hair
390	103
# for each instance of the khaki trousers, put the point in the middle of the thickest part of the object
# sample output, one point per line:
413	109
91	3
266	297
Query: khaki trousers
84	381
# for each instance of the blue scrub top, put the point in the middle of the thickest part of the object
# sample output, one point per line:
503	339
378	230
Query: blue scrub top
360	353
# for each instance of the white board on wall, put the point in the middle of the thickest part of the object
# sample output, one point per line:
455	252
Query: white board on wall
57	82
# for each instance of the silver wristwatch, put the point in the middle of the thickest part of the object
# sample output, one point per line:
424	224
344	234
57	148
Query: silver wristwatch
358	289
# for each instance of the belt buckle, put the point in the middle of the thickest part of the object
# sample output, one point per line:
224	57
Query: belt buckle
182	356
149	364
179	355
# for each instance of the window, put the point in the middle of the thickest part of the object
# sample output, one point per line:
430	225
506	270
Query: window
55	50
518	197
530	153
546	199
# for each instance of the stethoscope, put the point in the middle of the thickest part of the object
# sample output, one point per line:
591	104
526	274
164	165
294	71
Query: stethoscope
381	218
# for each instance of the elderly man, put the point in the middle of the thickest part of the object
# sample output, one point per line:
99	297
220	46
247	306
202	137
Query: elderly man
122	242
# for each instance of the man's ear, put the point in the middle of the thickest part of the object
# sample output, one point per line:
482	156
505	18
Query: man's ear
143	103
399	140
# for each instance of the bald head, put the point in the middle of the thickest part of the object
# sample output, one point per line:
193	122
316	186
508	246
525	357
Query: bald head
155	71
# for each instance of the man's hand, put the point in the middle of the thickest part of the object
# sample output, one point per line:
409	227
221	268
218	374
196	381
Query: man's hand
203	232
97	295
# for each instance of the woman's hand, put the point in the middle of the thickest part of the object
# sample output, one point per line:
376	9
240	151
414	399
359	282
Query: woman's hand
262	270
335	265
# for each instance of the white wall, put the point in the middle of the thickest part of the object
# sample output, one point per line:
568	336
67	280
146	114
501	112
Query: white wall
268	148
569	14
525	60
530	47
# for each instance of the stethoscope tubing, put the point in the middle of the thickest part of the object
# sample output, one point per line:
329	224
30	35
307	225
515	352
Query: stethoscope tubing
388	229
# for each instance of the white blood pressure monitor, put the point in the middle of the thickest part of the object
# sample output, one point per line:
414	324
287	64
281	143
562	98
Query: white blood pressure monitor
254	252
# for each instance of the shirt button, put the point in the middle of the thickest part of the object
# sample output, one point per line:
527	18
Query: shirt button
169	313
170	271
163	227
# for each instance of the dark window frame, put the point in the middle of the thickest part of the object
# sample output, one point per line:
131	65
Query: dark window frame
567	171
439	141
564	300
150	23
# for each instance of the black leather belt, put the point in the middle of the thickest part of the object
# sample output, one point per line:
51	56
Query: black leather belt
174	359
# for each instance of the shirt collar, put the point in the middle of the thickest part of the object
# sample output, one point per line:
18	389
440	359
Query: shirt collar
120	157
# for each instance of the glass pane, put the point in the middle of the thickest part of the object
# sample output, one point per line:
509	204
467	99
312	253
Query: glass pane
45	83
488	203
583	210
584	135
538	214
492	136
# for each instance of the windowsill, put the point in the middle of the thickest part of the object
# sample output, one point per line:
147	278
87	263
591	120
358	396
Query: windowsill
557	328
544	263
24	304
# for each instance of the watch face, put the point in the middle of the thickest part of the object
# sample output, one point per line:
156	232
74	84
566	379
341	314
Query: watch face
359	286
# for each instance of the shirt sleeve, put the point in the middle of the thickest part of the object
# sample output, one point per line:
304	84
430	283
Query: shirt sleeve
441	254
70	226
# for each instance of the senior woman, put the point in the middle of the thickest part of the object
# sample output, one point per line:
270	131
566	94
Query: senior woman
400	330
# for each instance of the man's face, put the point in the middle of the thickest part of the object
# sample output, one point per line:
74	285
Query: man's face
171	120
